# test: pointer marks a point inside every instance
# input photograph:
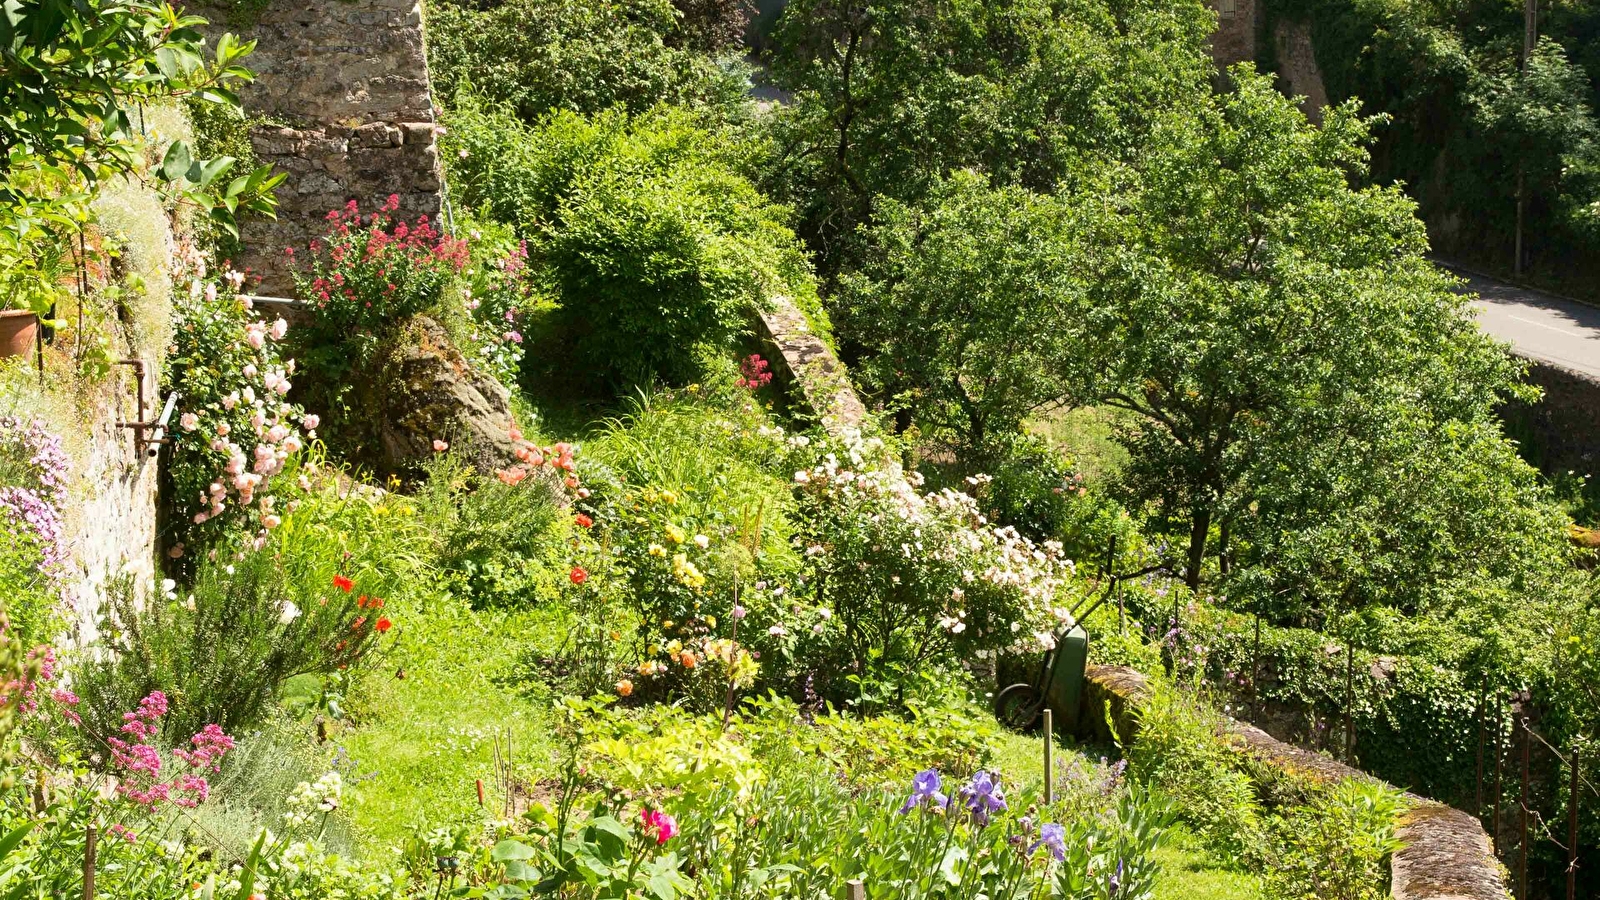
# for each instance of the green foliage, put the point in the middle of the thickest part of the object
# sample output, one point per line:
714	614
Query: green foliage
1178	753
1464	121
1338	846
541	55
498	543
655	246
1303	376
252	619
890	95
958	302
1037	490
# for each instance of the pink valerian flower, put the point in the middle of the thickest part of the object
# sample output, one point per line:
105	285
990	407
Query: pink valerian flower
139	763
753	372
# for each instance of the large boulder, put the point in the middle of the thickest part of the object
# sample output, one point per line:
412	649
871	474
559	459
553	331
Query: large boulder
420	389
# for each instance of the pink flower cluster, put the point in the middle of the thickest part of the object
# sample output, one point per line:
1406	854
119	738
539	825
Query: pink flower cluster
23	692
753	372
271	418
140	762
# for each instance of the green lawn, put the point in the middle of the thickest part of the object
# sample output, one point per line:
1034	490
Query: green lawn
429	736
1188	873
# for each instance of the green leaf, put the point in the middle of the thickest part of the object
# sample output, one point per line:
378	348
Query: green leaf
177	161
950	866
508	850
11	840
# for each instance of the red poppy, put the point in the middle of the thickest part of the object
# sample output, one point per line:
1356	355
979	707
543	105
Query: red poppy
578	575
361	601
584	521
384	624
343	583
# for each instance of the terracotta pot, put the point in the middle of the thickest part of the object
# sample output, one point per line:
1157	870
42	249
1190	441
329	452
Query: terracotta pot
19	330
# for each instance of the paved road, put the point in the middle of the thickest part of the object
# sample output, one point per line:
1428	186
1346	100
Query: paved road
1539	326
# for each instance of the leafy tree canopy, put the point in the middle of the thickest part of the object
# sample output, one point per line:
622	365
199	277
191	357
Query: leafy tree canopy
890	95
1310	393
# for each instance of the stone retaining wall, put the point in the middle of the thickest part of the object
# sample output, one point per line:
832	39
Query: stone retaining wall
345	84
1447	855
805	362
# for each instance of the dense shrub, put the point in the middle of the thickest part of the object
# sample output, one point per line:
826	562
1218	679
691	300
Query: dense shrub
500	539
655	246
33	552
540	55
1338	846
311	601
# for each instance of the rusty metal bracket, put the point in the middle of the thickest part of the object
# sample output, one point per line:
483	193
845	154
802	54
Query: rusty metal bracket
148	436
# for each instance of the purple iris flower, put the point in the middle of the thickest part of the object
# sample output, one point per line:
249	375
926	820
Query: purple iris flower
1114	883
925	790
1053	836
982	796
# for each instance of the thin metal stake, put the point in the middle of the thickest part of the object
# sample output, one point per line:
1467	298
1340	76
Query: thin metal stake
1477	809
1572	832
90	833
1049	757
1499	757
1522	862
1349	703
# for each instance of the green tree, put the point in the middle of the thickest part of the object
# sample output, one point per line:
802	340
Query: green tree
958	301
543	55
1293	358
892	94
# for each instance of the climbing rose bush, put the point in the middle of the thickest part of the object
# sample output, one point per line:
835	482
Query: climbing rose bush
237	429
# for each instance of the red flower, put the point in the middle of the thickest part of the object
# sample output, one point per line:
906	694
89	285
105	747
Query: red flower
343	583
578	575
384	624
584	521
356	625
361	601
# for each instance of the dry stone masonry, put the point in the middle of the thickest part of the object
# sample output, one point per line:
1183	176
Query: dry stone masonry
344	84
1447	854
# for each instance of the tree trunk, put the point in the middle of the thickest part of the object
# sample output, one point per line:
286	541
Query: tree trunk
1199	529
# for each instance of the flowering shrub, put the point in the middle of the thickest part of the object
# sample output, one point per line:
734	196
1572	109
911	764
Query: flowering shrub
138	762
33	489
372	271
911	577
250	620
499	297
236	431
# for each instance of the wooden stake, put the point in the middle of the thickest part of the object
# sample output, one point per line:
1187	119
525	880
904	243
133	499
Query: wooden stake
858	890
90	834
1049	756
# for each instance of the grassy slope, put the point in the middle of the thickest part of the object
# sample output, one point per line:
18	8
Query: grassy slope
429	736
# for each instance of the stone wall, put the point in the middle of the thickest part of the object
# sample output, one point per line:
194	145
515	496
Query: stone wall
112	525
1560	432
1446	853
1235	38
345	84
1297	67
809	368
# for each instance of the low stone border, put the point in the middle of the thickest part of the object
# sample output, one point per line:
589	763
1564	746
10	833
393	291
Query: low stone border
807	362
1447	855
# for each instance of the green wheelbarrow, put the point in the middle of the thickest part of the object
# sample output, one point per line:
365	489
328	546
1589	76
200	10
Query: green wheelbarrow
1059	683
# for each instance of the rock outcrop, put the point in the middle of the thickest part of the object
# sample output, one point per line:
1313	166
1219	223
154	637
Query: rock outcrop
420	389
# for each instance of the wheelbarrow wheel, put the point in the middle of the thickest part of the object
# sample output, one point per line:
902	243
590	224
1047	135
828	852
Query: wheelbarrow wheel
1018	706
